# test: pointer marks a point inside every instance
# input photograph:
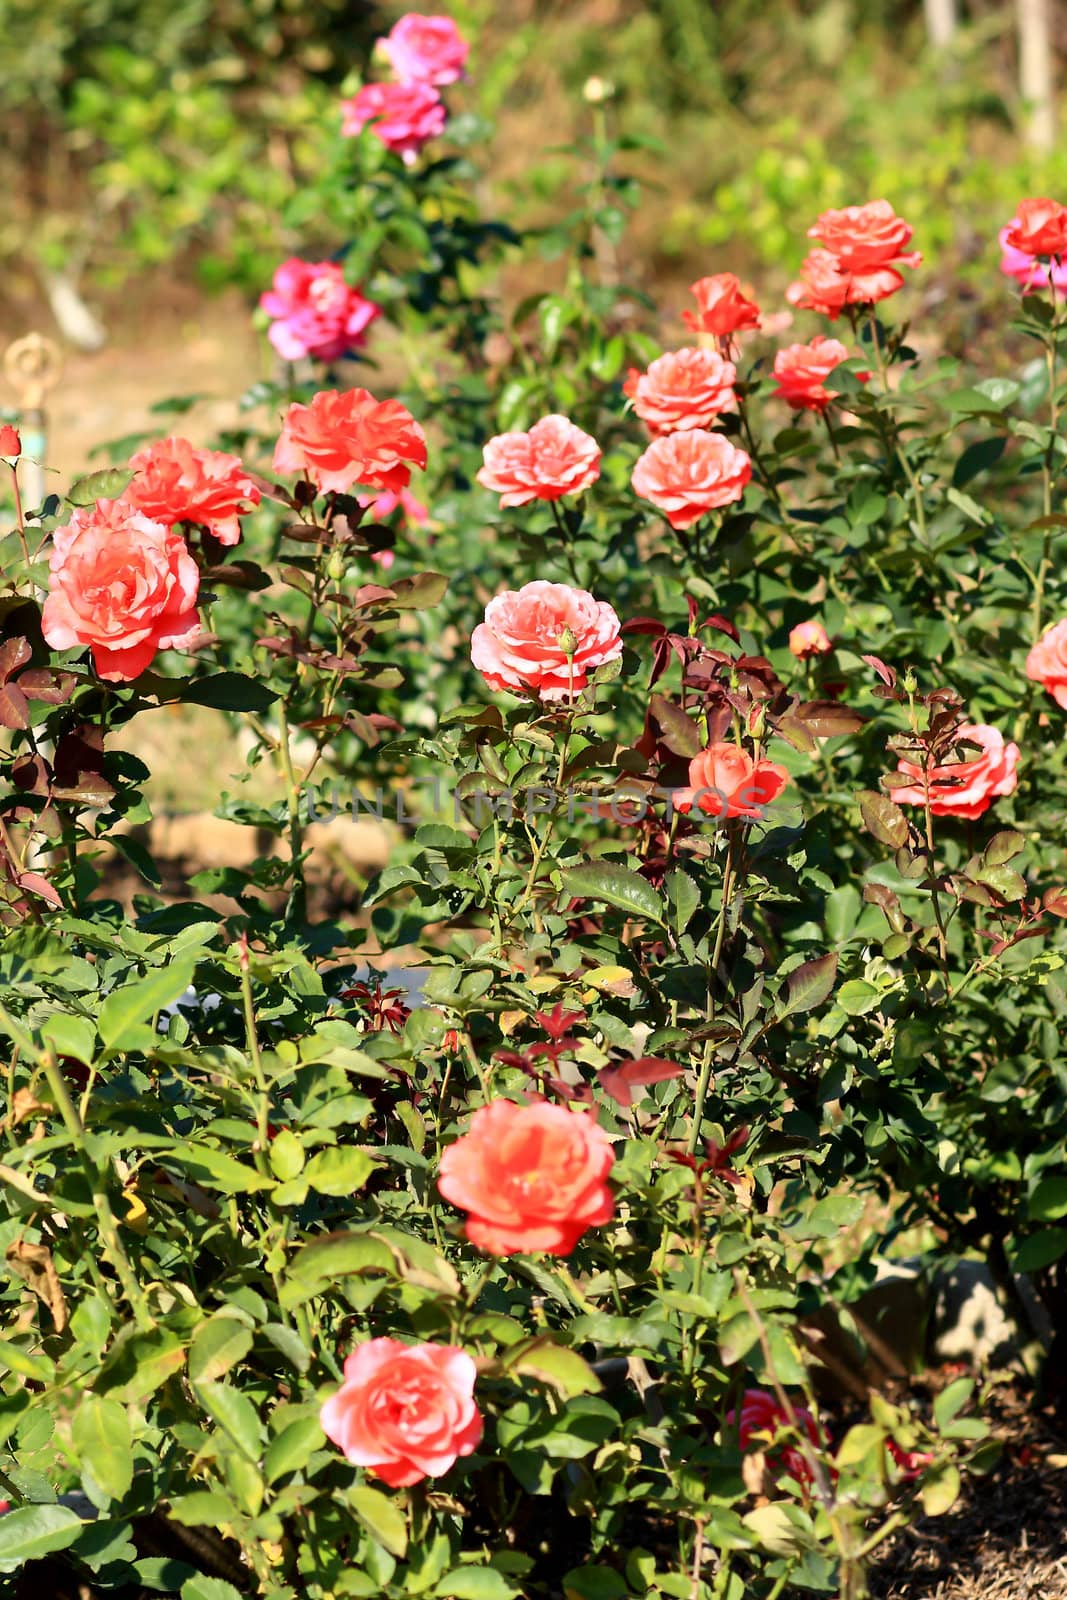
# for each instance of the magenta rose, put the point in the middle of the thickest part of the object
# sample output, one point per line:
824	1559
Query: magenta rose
425	49
405	116
316	313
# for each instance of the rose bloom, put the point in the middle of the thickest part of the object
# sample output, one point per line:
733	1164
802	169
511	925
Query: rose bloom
316	313
966	787
10	443
404	1412
1028	272
824	287
121	584
801	371
809	639
520	645
531	1178
346	437
425	49
761	1418
722	309
688	474
176	482
554	459
683	389
405	115
1047	662
1038	228
724	781
865	238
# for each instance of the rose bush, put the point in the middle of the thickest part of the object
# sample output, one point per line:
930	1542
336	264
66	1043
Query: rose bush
722	790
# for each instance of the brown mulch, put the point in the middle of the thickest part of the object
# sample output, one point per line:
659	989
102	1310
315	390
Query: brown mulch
1006	1536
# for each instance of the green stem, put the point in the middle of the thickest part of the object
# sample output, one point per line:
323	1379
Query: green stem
297	908
709	1044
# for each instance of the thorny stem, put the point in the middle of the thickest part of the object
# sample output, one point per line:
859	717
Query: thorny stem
20	520
298	892
1047	475
709	1044
891	435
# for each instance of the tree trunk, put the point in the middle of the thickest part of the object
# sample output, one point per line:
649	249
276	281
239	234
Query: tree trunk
941	22
1036	72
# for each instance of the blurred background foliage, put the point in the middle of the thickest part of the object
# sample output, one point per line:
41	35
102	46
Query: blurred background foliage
148	134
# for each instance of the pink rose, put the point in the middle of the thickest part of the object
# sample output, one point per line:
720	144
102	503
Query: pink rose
554	459
425	49
1028	271
531	1178
520	645
683	389
801	371
965	787
386	501
122	585
725	782
316	313
809	639
866	238
1047	662
404	1412
689	474
176	482
405	115
825	286
347	436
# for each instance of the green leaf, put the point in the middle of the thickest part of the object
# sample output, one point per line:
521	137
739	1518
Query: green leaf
940	1490
421	592
684	897
951	1400
218	1344
1040	1250
201	1588
105	485
1048	1203
228	691
382	1518
883	819
292	1449
339	1172
828	1216
809	986
554	1364
30	1532
203	1509
68	1035
214	1169
235	1414
476	1583
857	997
134	1003
102	1441
617	886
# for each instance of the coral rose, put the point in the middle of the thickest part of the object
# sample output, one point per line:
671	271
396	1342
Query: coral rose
10	443
688	474
1028	272
531	1178
824	287
809	639
404	1412
1047	662
1038	228
316	313
554	459
175	482
683	389
405	115
121	584
722	309
801	371
761	1418
347	437
966	787
520	645
865	238
724	781
425	49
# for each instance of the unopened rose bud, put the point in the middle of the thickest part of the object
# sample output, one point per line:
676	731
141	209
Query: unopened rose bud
596	90
567	642
335	567
909	683
10	443
757	721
